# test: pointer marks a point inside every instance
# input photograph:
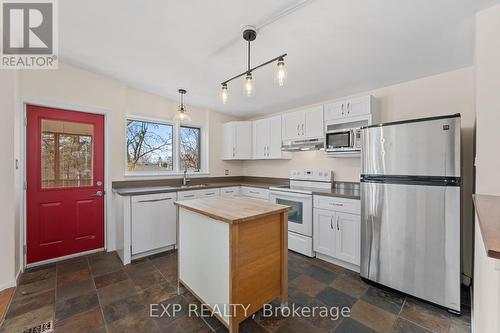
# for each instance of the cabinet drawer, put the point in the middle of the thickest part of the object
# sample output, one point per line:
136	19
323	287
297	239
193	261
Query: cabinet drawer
230	191
196	194
338	204
254	192
151	198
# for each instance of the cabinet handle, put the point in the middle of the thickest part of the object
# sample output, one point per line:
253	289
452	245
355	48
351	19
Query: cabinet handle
189	196
155	200
254	192
302	129
336	204
338	222
342	108
331	223
348	107
298	129
228	191
210	193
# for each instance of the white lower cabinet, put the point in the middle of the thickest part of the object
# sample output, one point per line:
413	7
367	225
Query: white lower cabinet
255	192
336	234
230	191
153	222
197	194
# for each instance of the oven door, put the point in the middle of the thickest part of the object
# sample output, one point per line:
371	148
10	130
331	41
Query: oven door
300	214
339	140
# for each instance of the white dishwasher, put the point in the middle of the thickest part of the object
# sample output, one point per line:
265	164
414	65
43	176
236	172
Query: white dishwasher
153	222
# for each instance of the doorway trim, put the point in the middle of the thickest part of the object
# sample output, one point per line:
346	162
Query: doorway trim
107	183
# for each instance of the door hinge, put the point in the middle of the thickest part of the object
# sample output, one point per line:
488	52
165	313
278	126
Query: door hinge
24	249
25	185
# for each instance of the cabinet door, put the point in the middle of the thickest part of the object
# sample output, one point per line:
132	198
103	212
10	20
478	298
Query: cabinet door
228	147
260	138
243	139
334	110
274	144
359	106
153	222
313	124
324	232
292	125
347	237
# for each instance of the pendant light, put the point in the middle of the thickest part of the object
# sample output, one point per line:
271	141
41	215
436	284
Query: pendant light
181	115
249	35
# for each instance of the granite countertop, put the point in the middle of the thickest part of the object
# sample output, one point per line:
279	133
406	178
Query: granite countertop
232	209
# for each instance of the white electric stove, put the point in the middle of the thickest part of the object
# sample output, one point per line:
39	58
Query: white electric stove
298	195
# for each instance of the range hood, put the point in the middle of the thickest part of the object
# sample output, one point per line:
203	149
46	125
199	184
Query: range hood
304	144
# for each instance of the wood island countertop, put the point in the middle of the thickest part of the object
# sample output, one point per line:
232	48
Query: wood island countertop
232	209
488	213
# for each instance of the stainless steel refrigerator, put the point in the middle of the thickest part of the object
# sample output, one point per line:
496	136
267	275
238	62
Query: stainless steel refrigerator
410	207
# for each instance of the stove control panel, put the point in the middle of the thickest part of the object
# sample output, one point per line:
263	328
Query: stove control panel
314	175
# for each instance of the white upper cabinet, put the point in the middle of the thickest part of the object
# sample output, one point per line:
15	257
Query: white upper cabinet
267	138
237	140
355	107
303	124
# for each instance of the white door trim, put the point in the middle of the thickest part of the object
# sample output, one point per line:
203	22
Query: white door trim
108	245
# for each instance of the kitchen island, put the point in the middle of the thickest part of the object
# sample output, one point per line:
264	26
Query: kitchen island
232	254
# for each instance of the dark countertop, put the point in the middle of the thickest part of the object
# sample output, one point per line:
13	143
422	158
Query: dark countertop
341	189
348	193
178	188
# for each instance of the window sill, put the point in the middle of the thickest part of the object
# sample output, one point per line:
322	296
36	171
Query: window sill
164	175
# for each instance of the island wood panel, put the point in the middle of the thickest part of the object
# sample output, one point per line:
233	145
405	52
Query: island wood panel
488	212
256	263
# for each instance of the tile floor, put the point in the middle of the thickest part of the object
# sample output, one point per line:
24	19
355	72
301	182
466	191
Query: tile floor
96	293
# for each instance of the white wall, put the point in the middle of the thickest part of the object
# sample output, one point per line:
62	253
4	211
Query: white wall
8	233
447	93
486	304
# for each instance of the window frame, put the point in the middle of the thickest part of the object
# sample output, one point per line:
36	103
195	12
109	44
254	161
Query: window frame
200	139
204	144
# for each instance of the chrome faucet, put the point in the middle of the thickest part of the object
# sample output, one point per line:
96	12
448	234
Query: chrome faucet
185	179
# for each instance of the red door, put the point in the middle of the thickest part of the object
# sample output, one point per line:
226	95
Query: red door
65	177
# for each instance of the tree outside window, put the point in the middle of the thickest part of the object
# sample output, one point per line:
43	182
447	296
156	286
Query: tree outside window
189	144
149	146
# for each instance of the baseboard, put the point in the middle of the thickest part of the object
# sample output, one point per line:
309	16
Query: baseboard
50	261
8	284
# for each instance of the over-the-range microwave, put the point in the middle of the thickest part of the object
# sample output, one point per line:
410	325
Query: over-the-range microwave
343	141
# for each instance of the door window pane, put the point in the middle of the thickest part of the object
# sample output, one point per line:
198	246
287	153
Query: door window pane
66	154
149	146
295	214
190	157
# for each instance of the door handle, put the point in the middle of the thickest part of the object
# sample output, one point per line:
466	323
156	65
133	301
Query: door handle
98	194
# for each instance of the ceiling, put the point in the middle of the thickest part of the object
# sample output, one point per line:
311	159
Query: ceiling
335	47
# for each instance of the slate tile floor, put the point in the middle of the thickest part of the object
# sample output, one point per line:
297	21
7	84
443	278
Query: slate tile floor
97	294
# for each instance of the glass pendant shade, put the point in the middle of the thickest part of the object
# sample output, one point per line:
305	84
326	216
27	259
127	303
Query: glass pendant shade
248	86
224	94
181	115
281	73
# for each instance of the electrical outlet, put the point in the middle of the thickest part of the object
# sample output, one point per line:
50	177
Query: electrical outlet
226	172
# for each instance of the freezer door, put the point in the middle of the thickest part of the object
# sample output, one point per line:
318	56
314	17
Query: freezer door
423	148
410	240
